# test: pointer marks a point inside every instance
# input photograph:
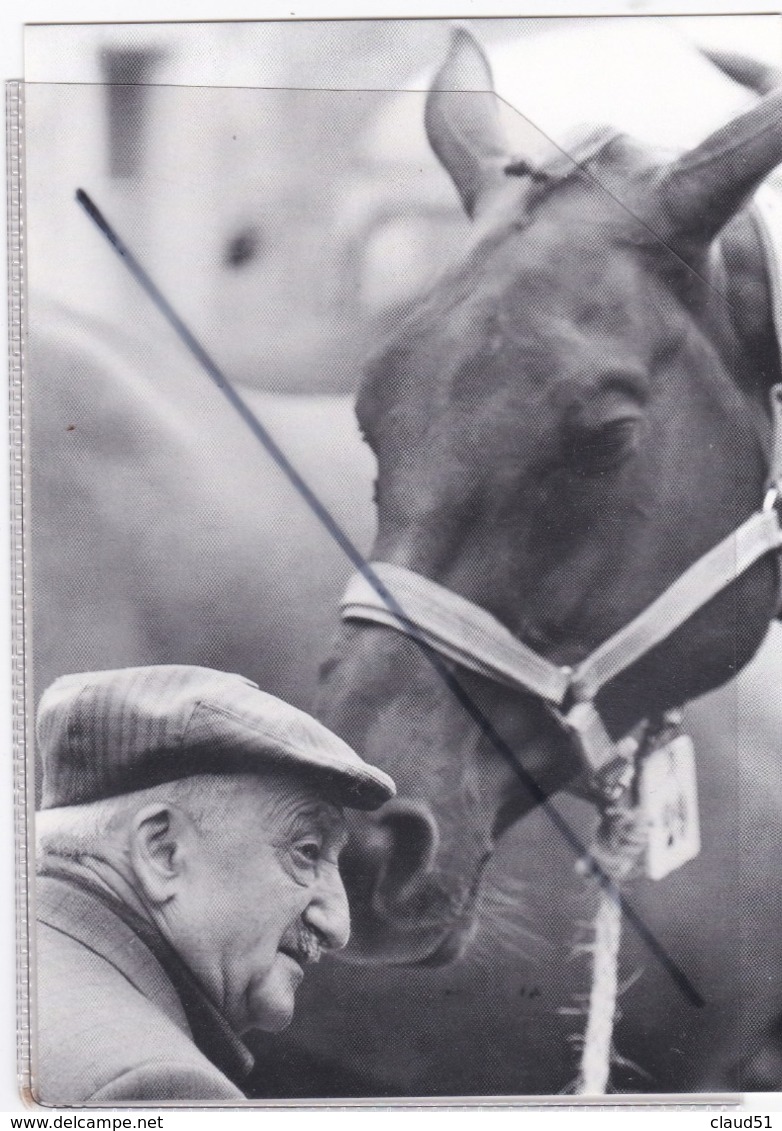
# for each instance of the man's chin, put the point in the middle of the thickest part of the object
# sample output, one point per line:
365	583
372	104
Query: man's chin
271	1001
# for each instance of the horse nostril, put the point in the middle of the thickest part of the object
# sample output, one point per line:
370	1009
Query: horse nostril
411	844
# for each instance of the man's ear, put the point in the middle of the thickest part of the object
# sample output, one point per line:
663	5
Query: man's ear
163	844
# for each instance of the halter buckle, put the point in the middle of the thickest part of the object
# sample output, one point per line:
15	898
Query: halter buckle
610	766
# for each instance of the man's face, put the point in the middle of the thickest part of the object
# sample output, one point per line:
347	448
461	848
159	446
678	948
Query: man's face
263	897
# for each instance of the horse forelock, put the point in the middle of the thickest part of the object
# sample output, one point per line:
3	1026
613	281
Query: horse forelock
610	164
584	145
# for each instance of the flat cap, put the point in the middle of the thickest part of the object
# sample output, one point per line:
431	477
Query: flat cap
105	733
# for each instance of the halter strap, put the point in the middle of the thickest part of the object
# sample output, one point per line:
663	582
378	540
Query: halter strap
704	579
471	636
454	627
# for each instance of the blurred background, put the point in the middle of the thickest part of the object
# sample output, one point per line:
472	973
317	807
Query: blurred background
275	178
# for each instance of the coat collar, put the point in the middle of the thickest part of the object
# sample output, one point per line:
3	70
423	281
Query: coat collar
70	903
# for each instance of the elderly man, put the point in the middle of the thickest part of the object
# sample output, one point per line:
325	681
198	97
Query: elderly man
188	839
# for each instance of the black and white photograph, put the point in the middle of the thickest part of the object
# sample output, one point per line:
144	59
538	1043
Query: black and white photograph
401	423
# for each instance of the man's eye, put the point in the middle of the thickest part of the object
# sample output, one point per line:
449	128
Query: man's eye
308	851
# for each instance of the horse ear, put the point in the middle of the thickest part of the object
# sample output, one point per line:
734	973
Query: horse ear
702	190
462	120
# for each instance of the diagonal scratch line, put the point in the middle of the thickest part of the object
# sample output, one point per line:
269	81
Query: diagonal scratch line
357	558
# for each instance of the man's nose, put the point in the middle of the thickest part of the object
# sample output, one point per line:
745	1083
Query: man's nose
329	912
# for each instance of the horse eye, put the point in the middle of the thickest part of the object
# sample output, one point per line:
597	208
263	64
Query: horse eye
596	451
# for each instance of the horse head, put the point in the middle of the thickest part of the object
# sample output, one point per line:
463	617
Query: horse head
574	413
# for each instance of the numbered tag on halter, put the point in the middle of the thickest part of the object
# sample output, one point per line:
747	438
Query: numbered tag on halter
668	796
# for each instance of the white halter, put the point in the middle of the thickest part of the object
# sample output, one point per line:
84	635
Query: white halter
464	632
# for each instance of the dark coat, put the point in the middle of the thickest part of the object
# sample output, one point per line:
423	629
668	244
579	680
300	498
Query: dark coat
110	1025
